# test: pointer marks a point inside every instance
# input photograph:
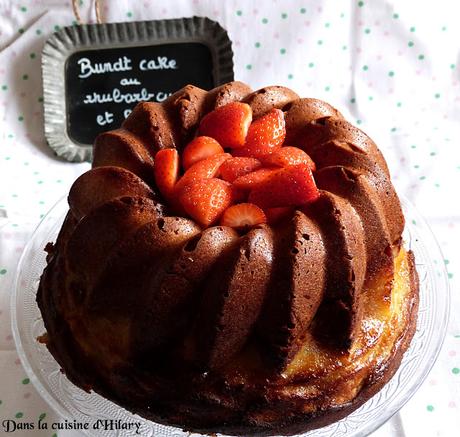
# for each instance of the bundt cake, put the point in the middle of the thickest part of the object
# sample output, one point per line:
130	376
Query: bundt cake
232	263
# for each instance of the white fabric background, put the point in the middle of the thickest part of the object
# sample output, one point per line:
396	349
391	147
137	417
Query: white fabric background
391	67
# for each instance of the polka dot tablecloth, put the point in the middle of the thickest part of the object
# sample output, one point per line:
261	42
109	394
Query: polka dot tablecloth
391	67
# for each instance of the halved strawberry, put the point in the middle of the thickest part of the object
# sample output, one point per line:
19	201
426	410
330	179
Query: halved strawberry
206	199
243	216
166	171
265	135
228	124
291	186
288	155
205	169
235	167
255	178
275	215
198	149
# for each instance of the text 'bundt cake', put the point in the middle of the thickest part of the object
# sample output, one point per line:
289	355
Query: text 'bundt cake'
232	263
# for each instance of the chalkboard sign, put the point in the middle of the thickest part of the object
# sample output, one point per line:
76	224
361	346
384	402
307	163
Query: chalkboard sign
94	75
102	86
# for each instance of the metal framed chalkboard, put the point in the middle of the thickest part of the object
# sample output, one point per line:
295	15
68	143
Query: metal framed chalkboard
93	75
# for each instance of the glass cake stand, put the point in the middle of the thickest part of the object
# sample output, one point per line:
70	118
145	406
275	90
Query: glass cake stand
74	404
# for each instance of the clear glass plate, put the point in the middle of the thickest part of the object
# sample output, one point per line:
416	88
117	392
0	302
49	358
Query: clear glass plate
74	404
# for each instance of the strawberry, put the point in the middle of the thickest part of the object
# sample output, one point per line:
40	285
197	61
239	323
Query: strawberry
204	169
251	180
236	167
198	149
206	199
265	135
228	124
288	155
291	186
166	171
243	216
275	215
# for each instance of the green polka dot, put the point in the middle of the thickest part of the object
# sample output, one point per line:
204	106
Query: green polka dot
430	408
437	95
327	88
422	178
452	66
21	30
399	104
360	4
450	275
367	31
446	261
353	100
444	28
303	10
391	73
320	42
264	20
54	435
437	185
395	16
290	76
4	87
432	153
23	9
57	27
370	98
59	181
1	402
257	45
284	15
413	146
20	118
39	182
42	416
327	25
311	64
421	57
249	67
32	56
74	23
414	222
410	43
239	13
283	51
358	121
25	76
3	271
40	99
365	67
393	129
344	47
129	14
26	381
19	414
412	29
38	32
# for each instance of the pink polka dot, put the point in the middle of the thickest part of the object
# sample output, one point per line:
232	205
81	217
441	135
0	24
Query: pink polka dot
300	40
307	23
451	226
360	23
452	404
418	72
391	90
268	64
379	57
386	33
146	5
7	236
433	382
237	43
216	12
370	84
27	395
400	53
276	35
452	353
243	24
17	361
9	337
255	11
2	71
195	2
358	49
1	312
377	23
164	11
402	160
19	249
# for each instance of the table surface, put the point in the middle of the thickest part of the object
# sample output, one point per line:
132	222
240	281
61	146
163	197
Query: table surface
391	68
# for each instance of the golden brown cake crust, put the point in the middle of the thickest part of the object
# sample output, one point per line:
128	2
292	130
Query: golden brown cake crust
256	334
